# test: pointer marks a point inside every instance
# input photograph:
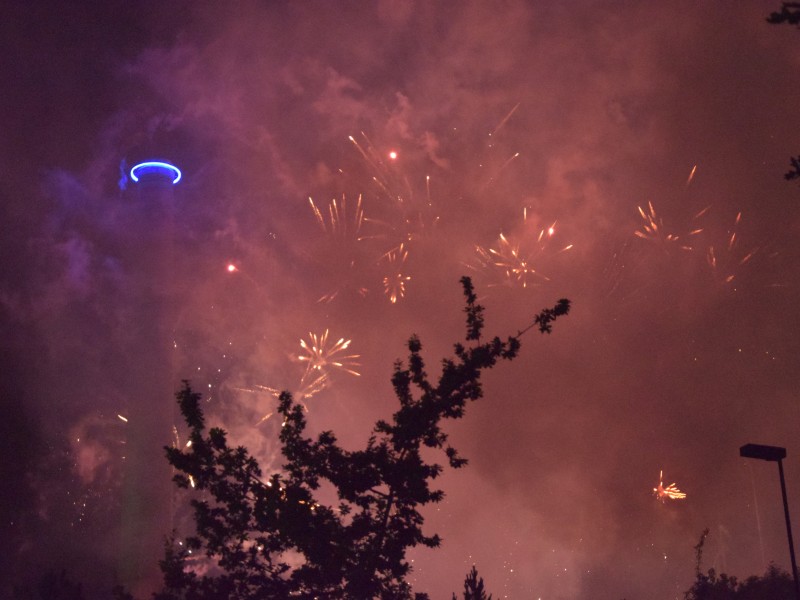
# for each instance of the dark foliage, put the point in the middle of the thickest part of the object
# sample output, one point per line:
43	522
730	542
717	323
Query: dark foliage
794	172
775	584
789	13
51	586
473	587
269	537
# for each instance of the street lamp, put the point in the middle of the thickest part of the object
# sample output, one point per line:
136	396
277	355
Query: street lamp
776	454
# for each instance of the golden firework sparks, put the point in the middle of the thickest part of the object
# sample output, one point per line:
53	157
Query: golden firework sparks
653	228
320	356
304	392
508	258
340	224
516	259
394	283
670	491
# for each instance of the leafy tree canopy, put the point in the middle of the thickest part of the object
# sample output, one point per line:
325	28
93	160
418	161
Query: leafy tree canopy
270	537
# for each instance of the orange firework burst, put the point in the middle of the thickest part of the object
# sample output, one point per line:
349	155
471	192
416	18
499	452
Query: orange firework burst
516	259
653	229
670	491
394	283
320	357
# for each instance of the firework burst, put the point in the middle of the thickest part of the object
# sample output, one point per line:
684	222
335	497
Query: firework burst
407	210
305	390
394	282
321	357
669	492
653	229
342	225
517	259
339	223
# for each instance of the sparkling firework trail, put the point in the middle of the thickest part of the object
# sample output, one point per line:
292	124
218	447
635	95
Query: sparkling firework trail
691	175
670	492
340	225
502	168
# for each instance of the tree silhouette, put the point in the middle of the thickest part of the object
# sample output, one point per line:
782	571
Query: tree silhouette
789	13
473	587
271	537
794	172
775	584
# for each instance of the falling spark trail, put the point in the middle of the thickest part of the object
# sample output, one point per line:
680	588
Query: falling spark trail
361	150
505	119
691	175
502	168
428	188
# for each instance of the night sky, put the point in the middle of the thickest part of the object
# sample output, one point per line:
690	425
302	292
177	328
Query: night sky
507	118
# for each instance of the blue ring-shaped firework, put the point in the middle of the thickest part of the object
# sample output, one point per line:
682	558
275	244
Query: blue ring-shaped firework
156	166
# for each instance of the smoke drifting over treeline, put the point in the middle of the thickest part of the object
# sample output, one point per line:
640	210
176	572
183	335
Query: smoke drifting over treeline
506	119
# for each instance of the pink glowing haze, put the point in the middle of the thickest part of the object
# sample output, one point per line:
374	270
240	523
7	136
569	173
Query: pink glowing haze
344	164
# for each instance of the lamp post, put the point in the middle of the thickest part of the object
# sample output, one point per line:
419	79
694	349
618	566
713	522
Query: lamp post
776	454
